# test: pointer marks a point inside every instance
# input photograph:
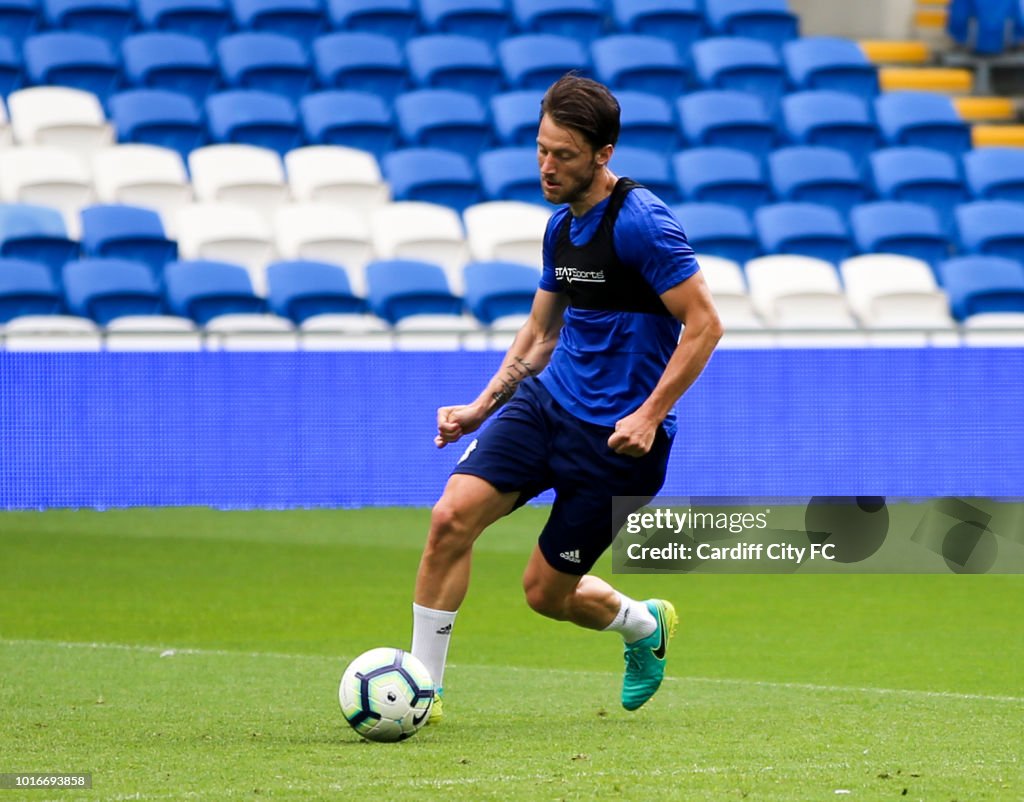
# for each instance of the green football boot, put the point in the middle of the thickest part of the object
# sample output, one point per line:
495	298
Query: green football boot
645	658
436	708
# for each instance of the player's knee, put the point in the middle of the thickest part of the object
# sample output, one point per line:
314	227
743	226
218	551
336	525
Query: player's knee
449	527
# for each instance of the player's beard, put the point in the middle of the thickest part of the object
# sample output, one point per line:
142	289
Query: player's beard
572	192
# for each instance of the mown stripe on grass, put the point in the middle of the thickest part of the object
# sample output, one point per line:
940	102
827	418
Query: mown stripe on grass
170	651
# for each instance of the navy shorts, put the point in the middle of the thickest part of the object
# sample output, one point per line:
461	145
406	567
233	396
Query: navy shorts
534	445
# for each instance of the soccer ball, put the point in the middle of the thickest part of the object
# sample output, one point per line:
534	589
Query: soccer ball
386	694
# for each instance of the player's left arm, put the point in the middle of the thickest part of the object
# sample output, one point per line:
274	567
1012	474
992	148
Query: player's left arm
691	303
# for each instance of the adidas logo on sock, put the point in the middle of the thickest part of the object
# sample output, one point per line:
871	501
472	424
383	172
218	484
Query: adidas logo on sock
445	630
572	556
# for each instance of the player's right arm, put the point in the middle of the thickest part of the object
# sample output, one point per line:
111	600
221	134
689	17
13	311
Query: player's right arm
528	355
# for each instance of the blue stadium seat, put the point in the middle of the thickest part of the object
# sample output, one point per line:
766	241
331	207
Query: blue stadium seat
351	119
254	118
398	288
992	228
78	60
27	288
11	67
649	168
535	61
203	289
816	175
19	19
127	232
833	119
900	227
396	19
680	21
995	173
723	118
443	118
302	20
515	116
827	62
715	229
489	20
919	175
743	64
641	63
206	19
807	229
998	24
37	234
112	20
646	121
582	20
158	117
982	284
432	175
301	289
498	289
172	61
105	289
508	174
768	20
269	62
451	61
363	62
722	175
924	119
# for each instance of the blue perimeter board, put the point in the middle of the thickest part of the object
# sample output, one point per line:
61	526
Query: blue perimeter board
278	430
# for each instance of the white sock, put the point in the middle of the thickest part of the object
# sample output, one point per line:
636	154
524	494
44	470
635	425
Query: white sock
431	634
634	621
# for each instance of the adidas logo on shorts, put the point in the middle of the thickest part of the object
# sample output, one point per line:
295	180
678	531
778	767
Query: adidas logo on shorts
572	556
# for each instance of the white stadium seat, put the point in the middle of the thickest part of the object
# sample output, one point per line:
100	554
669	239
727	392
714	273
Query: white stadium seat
47	176
51	333
423	231
331	332
508	231
143	175
325	232
60	116
243	174
440	333
890	291
334	174
995	329
152	333
227	232
803	293
250	332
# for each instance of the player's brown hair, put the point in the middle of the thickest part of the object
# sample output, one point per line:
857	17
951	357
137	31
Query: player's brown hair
585	105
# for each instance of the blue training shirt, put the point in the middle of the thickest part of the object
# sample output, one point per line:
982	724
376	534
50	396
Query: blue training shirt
606	364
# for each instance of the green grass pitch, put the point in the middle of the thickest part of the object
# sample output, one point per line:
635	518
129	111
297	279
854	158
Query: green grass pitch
189	654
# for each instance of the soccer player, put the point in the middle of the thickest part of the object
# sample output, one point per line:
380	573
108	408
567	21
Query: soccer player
585	393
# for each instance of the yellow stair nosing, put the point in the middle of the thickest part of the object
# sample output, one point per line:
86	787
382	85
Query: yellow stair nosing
985	108
906	51
930	18
997	135
929	79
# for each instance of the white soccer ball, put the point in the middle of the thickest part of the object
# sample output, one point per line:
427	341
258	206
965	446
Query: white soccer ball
386	694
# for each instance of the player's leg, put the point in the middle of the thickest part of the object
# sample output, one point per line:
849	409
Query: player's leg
468	505
587	601
583	521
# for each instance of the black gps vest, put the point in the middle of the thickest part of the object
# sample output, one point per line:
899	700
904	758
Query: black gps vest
593	276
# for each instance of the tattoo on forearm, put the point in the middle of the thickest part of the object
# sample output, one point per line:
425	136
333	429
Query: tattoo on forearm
515	372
